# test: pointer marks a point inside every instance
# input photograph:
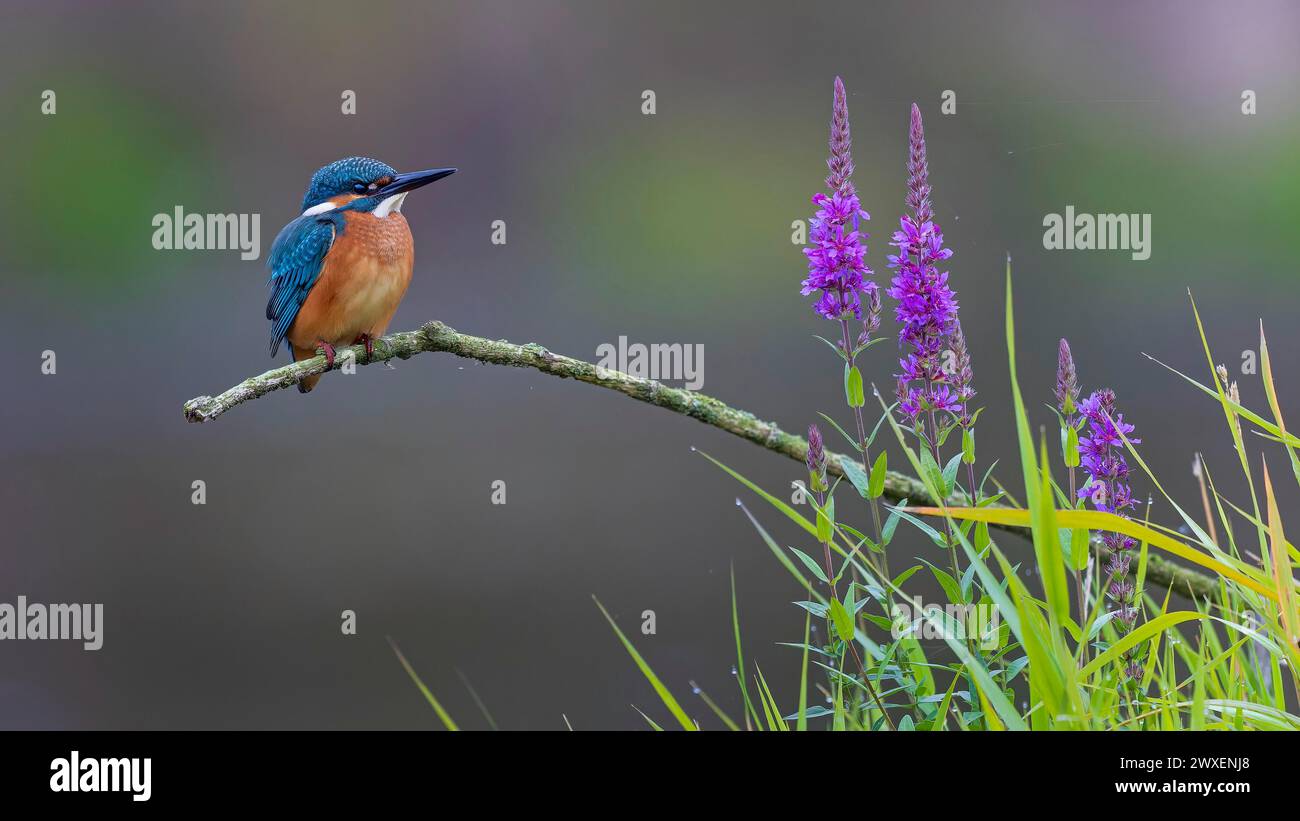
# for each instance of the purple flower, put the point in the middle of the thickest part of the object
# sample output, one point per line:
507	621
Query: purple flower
837	259
1067	382
1101	453
815	459
918	171
840	162
927	307
872	323
962	373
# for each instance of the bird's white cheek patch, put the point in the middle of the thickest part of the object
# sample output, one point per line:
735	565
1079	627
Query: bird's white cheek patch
390	205
321	208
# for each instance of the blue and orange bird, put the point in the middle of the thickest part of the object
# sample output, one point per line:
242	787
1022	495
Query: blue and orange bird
339	271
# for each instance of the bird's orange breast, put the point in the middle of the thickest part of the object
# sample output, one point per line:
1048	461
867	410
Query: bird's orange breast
362	281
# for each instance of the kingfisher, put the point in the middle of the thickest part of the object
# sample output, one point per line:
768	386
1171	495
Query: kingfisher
340	269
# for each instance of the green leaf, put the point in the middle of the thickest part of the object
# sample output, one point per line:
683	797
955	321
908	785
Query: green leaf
811	712
1077	542
810	564
825	522
790	513
871	438
1047	546
1071	448
876	484
968	447
857	476
750	713
905	575
816	608
891	524
654	726
941	715
443	715
944	430
853	387
931	469
834	347
1097	520
987	688
664	694
950	475
842	621
853	443
949	585
935	536
770	709
802	719
1138	635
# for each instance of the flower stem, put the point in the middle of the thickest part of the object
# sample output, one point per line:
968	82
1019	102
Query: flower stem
862	446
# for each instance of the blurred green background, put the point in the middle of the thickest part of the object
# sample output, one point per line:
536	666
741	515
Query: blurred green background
373	493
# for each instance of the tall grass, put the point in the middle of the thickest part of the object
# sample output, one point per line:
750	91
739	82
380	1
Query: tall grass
1225	662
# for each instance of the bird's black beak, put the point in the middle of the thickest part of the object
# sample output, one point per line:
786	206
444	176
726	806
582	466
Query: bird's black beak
409	182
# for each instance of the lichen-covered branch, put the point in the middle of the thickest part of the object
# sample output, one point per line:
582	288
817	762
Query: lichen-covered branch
437	337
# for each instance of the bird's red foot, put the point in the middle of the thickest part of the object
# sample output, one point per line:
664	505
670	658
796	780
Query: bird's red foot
369	342
328	350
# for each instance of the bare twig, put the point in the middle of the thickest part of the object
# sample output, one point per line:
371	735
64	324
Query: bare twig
437	337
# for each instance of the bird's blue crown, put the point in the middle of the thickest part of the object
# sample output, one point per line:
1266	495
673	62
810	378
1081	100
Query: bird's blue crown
352	175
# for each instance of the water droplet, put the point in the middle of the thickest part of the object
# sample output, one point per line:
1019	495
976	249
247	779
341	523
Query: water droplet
733	669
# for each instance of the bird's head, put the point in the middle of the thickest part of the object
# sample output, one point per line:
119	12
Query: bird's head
363	184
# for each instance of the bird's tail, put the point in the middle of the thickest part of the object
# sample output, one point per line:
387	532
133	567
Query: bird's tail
300	354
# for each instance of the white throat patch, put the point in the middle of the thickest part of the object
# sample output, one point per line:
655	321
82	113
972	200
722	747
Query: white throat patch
391	205
320	208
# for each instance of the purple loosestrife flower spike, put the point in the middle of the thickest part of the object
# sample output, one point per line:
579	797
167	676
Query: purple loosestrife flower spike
927	307
840	162
872	323
918	171
963	373
1101	453
816	460
1067	382
837	259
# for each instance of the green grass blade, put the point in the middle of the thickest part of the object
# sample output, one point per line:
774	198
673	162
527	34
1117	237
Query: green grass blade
713	705
664	695
1136	637
1097	520
740	656
443	715
988	689
801	723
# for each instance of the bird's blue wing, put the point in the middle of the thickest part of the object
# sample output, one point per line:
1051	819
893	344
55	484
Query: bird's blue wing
297	256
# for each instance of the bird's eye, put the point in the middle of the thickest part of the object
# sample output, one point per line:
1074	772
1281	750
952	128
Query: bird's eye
359	187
